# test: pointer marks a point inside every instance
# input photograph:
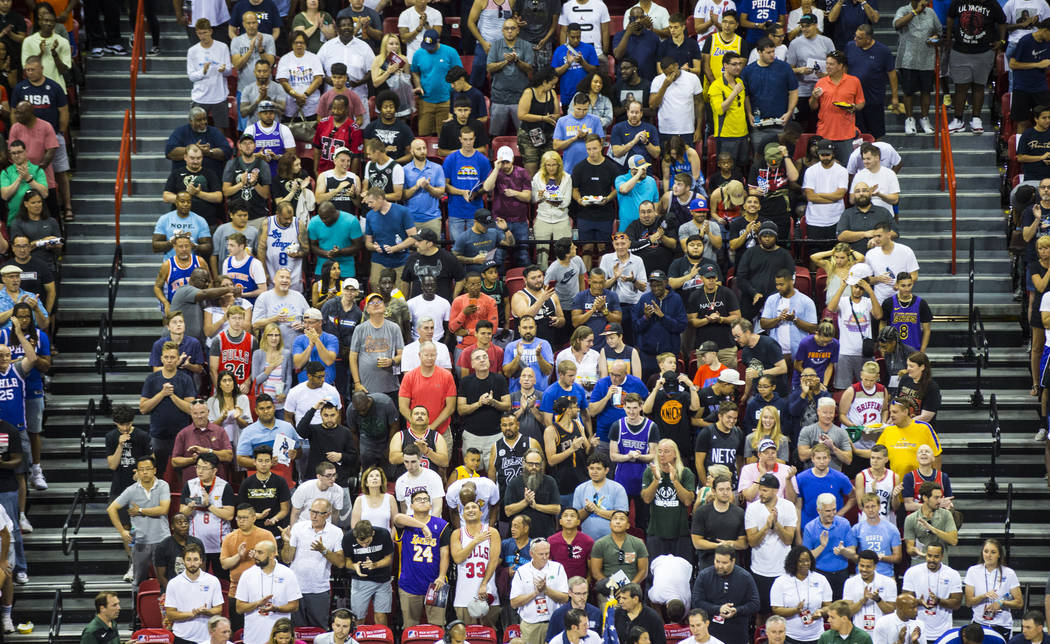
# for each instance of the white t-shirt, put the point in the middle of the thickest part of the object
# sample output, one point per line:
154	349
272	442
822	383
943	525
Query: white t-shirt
586	369
852	334
300	73
253	585
710	640
885	179
427	479
540	608
670	575
410	19
209	87
660	16
788	590
311	568
869	613
767	558
1000	581
703	10
824	180
590	638
796	14
889	158
1044	307
410	356
676	114
780	53
301	399
901	258
487	496
889	626
919	580
1015	10
185	594
307	492
356	55
591	15
438	309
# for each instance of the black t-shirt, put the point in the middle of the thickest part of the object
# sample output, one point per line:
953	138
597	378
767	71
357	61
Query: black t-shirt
773	182
35	274
975	25
716	180
537	16
684	54
623	91
655	256
671	414
709	402
279	188
497	292
737	226
263	496
713	525
449	137
18	26
931	401
382	545
168	555
206	180
721	448
442	265
1035	143
134	448
485	420
396	134
723	302
166	419
766	353
595	181
680	267
10	445
543	524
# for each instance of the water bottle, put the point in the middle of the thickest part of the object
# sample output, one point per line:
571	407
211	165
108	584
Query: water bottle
132	531
758	117
397	239
187	11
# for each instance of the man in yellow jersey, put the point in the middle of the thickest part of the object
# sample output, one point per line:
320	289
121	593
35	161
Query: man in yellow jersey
903	437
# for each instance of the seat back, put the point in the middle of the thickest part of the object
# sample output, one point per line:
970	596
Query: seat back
512	631
374	634
308	633
153	636
479	634
147	605
803	281
422	634
675	633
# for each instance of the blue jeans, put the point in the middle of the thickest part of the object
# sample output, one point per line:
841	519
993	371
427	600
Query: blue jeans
9	501
457	226
520	230
479	71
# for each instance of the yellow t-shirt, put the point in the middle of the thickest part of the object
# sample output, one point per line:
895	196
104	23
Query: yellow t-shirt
903	445
733	122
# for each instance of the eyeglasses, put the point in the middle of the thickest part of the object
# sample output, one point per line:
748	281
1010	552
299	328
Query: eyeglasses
318	513
330	475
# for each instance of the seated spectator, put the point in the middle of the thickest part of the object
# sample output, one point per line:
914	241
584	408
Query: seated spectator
597	499
496	288
578	592
912	481
272	138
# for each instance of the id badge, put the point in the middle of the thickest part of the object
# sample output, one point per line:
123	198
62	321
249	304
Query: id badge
807	616
869	622
541	605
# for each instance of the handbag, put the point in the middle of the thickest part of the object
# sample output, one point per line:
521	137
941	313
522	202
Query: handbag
867	345
302	130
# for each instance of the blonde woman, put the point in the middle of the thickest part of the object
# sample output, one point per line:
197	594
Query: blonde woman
768	426
552	192
272	368
669	479
836	263
374	504
1038	284
390	71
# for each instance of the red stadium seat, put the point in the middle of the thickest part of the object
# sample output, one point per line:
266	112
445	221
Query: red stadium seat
147	605
690	27
478	634
510	141
1008	127
389	27
515	281
452	23
308	633
432	149
615	24
153	636
238	635
512	631
803	281
820	287
803	143
468	62
374	634
422	634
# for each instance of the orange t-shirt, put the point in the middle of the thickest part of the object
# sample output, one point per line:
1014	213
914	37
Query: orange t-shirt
836	123
705	374
233	541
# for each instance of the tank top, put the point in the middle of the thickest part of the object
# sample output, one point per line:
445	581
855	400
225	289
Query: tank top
573	470
719	48
866	407
13	397
378	517
343	201
882	488
380	177
271	141
680	211
407	438
471	571
179	275
236	357
463	473
241	274
918	479
906	319
624	355
490	20
509	459
545	312
279	238
540	133
629	474
274	384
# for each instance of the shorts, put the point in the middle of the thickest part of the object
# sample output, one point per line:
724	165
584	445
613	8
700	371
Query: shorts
1021	104
971	68
61	161
26	458
594	231
35	415
913	81
1044	377
529	152
362	592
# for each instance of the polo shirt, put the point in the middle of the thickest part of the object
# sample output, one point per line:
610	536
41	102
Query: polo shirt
838	532
311	567
256	584
835	123
148	530
184	594
422	205
9	176
97	632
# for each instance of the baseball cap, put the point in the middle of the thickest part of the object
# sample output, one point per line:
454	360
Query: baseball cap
246	136
431	40
425	234
612	328
735	191
766	443
9	269
858	272
505	154
267	106
312	314
708	346
825	146
351	282
340	150
708	270
637	161
769	480
658	276
489	264
772	151
372	296
483	216
730	376
698	204
807	19
768	228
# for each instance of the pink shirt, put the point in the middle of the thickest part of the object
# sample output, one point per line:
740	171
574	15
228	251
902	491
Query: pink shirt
324	106
38	139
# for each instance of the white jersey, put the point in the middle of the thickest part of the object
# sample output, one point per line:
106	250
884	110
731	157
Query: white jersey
869	613
882	488
278	239
867	407
204	525
472	570
923	583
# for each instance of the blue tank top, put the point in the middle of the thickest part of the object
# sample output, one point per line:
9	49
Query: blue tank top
629	474
13	397
177	275
906	320
241	274
34	380
420	556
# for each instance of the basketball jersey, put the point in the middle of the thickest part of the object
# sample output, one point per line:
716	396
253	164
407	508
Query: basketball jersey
271	141
277	240
241	274
13	396
236	357
342	201
882	488
471	571
866	408
629	473
420	556
720	49
178	275
463	473
509	459
573	470
383	178
204	525
906	321
408	438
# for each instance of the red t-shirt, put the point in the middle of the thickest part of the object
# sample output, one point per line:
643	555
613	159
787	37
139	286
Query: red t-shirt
495	359
836	123
328	138
573	558
429	392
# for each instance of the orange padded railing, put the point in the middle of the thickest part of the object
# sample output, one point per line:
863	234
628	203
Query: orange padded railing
944	144
129	142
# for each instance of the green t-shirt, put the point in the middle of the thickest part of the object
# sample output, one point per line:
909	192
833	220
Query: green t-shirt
668	516
96	632
942	520
615	558
9	177
856	636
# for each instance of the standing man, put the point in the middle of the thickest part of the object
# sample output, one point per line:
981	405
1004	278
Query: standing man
102	629
310	548
424	554
886	189
166	397
465	170
509	63
873	64
210	503
430	65
374	350
192	598
918	29
931	524
147	501
824	184
729	593
938	588
423	188
903	619
888	259
537	589
772	91
717	523
267	592
975	32
857	224
207	66
677	96
238	549
368	553
730	105
806	55
869	594
836	98
771	524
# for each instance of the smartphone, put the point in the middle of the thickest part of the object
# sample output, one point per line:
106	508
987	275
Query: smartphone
552	283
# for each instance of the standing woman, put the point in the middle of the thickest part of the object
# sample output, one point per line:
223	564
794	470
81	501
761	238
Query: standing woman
272	368
552	192
291	184
538	112
836	264
580	353
330	285
917	382
800	596
315	24
300	74
374	504
596	87
992	589
390	72
36	223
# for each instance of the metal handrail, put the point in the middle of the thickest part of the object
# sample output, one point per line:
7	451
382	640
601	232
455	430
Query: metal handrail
104	360
116	273
991	486
1008	521
977	337
71	542
55	631
86	434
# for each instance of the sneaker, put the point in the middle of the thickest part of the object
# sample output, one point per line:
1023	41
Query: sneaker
129	576
23	522
909	125
154	50
976	125
926	126
36	478
118	49
8	625
21	578
98	52
956	126
1040	435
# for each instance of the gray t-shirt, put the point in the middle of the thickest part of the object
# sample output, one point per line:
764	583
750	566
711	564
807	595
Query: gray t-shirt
292	306
185	300
855	220
148	530
240	46
509	82
810	436
567	278
713	230
218	239
942	520
370	344
803	52
274	92
912	50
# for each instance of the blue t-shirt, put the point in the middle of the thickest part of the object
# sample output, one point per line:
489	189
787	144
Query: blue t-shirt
623	132
330	342
838	533
612	496
851	16
990	637
190	345
512	556
575	73
815	356
45	99
477	102
465	173
554	392
614	412
568	126
880	539
422	205
389	229
644	190
34	380
269	15
768	87
432	68
528	359
871	66
255	435
584	301
642	48
811	486
171	223
1029	51
345	229
759	11
470	243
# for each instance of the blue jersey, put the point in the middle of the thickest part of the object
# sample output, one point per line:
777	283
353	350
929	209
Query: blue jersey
906	320
241	274
953	637
421	555
177	275
272	141
13	396
629	473
34	380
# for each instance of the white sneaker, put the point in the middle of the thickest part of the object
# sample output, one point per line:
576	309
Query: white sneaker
1040	435
976	125
926	126
23	522
956	126
36	478
8	625
21	578
909	125
129	576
